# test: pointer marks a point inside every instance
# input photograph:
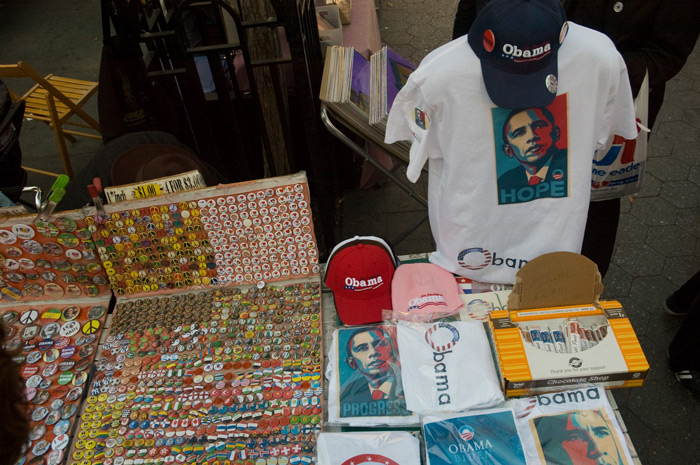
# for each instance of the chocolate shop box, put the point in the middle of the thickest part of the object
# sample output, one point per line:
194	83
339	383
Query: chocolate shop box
549	347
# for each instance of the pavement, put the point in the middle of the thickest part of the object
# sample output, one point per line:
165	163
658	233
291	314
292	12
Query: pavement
658	243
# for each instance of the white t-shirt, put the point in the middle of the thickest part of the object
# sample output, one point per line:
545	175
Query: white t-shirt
447	366
360	412
488	217
372	448
565	426
478	437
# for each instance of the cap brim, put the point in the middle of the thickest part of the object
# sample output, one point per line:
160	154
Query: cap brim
361	312
520	90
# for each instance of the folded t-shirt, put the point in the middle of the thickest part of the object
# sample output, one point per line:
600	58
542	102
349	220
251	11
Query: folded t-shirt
577	426
371	448
478	437
354	399
447	367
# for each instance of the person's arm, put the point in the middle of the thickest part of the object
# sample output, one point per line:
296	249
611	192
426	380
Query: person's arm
466	12
667	43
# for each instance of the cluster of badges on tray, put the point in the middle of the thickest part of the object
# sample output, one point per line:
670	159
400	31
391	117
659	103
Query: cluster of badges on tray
55	346
51	259
245	238
226	374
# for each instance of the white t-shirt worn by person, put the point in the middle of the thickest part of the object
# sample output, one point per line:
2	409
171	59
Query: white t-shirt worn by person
487	214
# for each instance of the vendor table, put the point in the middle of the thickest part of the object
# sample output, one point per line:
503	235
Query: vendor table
331	323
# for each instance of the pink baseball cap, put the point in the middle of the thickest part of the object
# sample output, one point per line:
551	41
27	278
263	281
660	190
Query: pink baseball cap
359	272
425	288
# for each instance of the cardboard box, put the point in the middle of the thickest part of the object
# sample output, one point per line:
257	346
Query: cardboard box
330	29
345	7
581	341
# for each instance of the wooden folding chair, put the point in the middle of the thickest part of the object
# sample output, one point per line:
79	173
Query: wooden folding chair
55	100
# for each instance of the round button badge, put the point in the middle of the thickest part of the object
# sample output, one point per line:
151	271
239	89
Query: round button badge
32	247
29	316
55	457
9	317
61	427
68	411
40	413
33	381
49	370
50	330
66	365
65	378
75	393
47	229
53	290
70	313
52	418
70	328
7	237
96	312
37	432
66	224
60	442
91	327
41	447
23	231
29	393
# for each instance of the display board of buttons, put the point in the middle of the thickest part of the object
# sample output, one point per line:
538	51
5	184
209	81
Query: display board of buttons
224	375
55	345
52	259
255	232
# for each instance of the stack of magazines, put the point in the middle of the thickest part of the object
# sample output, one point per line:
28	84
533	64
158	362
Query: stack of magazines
390	72
361	92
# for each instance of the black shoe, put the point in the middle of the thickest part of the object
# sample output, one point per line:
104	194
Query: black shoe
690	380
673	308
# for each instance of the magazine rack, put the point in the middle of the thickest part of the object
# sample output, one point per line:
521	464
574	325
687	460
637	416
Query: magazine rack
401	156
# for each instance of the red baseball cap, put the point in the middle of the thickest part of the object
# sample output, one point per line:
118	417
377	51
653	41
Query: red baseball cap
359	272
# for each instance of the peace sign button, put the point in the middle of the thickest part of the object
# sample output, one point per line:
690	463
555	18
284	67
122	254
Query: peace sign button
91	327
29	316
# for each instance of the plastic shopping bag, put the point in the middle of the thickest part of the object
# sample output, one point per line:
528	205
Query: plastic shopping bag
618	168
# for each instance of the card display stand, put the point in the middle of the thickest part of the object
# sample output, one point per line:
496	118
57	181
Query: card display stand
247	233
51	259
227	374
214	347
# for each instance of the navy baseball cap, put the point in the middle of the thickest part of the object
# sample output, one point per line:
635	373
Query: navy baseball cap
517	42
